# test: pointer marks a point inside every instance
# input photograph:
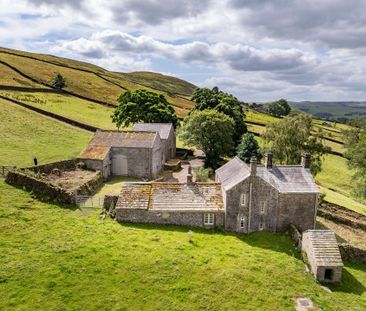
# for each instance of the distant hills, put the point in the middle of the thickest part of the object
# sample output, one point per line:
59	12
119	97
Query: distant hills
335	111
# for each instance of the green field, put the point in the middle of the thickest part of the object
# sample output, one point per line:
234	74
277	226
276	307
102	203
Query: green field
25	135
67	106
55	258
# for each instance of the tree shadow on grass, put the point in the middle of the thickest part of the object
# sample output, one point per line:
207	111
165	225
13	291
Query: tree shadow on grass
278	242
349	283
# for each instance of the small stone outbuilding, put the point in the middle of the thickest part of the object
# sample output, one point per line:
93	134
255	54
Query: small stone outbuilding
191	204
323	255
125	153
268	197
167	136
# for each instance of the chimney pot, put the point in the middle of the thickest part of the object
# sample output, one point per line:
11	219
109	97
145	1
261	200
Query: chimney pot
253	166
306	160
189	176
268	160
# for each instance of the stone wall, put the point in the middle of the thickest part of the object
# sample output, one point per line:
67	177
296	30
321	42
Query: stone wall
91	186
352	253
295	235
65	165
180	218
42	189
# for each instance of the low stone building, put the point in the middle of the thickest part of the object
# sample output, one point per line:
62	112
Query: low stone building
125	153
268	197
323	255
191	204
167	136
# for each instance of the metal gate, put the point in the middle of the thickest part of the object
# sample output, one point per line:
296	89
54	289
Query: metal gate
89	201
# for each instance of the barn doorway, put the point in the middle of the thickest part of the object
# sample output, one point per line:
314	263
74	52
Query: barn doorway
328	274
119	165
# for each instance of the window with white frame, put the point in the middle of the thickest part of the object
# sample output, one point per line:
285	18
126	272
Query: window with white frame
261	226
243	199
208	218
262	207
242	222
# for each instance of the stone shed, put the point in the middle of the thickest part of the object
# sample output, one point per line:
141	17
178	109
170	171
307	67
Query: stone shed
167	136
268	197
323	255
125	153
191	204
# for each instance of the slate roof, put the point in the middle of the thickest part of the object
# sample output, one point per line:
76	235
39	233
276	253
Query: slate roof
324	248
285	178
171	196
162	128
102	141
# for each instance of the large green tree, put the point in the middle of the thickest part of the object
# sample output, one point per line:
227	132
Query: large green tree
357	160
248	148
292	136
210	131
228	104
279	108
143	106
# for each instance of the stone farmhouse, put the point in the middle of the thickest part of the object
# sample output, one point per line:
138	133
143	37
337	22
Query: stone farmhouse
268	197
323	255
167	136
125	153
245	198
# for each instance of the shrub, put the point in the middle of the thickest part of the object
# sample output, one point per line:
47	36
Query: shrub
203	174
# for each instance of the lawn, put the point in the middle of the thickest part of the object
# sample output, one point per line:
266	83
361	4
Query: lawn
61	258
67	106
25	134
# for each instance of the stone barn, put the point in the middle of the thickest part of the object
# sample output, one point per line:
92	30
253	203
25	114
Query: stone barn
268	197
125	153
191	204
323	255
167	136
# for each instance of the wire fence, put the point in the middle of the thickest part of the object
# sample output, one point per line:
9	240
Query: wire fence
89	201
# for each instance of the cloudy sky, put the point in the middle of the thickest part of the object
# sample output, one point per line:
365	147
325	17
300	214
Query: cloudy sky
259	50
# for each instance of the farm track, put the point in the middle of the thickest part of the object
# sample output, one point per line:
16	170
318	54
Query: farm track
57	117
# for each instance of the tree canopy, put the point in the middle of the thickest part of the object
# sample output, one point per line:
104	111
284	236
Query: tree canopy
223	102
356	143
279	108
248	148
143	106
292	136
210	131
58	82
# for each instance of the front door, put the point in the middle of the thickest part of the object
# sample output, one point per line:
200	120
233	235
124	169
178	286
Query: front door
119	165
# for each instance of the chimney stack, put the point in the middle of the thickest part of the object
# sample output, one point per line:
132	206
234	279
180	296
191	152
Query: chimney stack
253	166
268	160
189	176
306	160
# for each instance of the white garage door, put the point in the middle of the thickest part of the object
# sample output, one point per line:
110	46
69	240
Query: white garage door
119	165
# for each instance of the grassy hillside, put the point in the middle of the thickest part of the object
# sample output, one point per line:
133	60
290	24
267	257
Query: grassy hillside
92	81
59	258
25	135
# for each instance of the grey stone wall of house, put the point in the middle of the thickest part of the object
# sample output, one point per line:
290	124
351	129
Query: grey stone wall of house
157	158
181	218
138	161
257	191
96	165
298	209
171	146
